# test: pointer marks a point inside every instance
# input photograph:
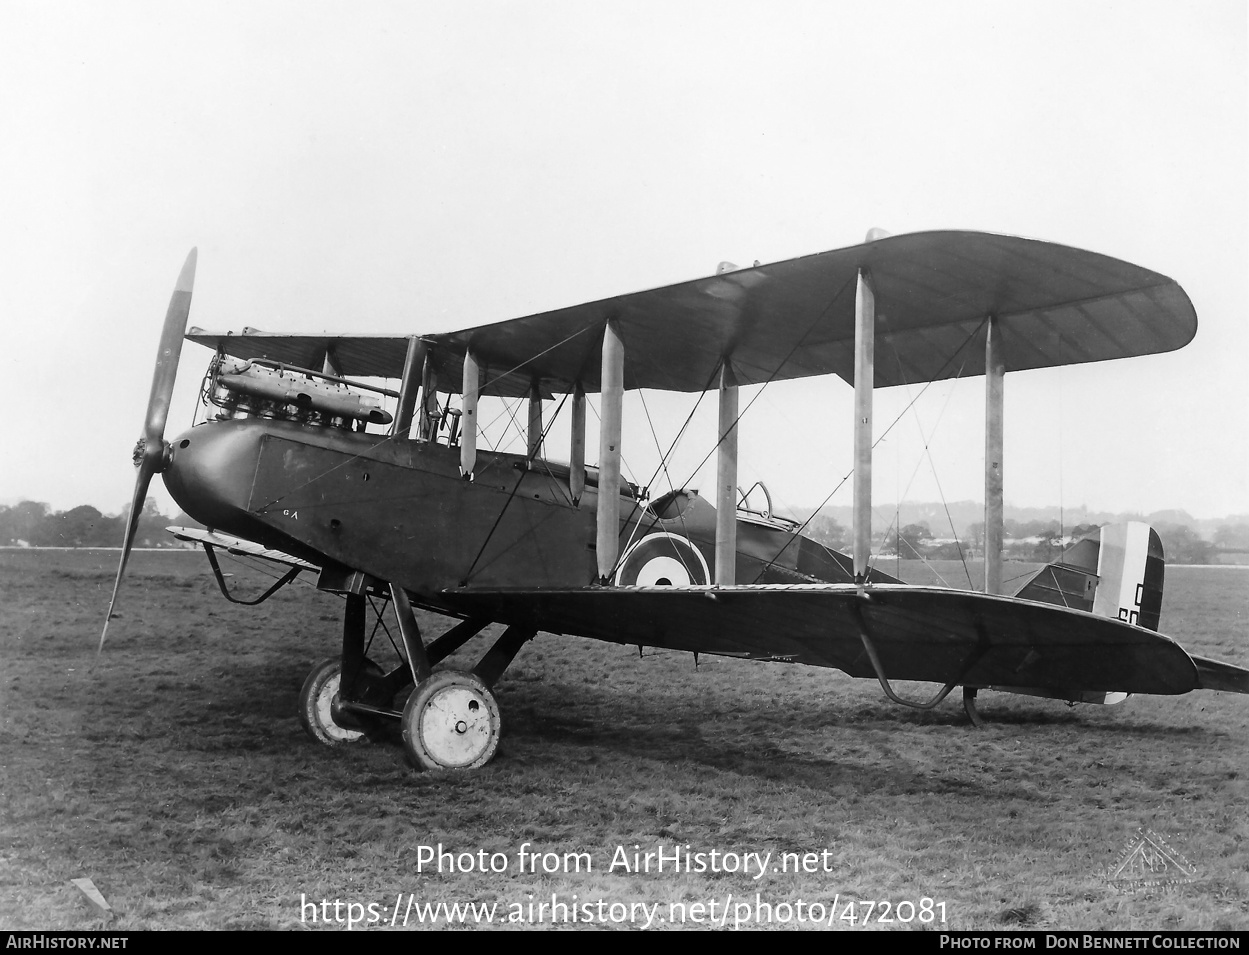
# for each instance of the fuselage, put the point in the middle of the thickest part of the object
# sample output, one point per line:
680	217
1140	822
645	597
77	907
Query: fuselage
401	511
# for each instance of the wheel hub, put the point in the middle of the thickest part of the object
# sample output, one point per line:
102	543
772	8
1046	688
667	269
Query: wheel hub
330	716
453	725
451	722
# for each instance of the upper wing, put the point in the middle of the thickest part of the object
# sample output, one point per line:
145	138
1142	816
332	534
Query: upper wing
1056	306
927	634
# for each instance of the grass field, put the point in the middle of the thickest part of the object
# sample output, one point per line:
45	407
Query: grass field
176	776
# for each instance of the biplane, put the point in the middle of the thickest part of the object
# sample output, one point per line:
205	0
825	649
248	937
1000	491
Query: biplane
308	461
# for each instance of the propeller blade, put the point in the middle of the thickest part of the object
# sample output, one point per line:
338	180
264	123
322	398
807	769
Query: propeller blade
167	355
149	455
132	525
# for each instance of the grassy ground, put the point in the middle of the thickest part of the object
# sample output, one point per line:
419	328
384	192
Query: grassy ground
175	775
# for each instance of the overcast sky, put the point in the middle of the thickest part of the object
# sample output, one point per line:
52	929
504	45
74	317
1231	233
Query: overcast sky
416	167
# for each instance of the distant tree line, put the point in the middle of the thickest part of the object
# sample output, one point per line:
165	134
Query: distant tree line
1233	538
34	523
1040	541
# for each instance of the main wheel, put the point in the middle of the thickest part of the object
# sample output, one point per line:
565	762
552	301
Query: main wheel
316	706
451	721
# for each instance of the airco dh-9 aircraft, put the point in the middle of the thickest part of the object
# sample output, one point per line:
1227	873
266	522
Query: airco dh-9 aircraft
302	464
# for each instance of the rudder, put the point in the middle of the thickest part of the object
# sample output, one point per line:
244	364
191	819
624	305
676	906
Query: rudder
1117	571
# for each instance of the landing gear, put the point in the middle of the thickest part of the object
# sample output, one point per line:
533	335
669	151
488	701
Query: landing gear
451	721
317	706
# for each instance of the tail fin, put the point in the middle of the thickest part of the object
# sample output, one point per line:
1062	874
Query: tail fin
1117	572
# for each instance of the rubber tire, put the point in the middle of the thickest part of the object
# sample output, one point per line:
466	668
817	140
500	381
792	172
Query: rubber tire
451	721
315	698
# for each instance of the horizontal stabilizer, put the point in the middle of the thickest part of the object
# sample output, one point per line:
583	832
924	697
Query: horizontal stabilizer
1214	675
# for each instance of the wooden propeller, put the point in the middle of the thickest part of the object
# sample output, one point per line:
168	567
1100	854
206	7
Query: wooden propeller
151	454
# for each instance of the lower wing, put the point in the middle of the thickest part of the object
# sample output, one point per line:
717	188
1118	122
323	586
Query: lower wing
914	633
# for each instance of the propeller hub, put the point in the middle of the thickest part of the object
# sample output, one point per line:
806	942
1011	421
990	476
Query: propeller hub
156	454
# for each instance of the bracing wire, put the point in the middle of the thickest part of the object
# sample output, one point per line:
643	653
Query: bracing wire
516	487
763	387
390	437
797	532
927	441
624	463
671	448
509	409
663	464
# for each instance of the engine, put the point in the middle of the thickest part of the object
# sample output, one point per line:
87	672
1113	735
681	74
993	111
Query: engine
266	389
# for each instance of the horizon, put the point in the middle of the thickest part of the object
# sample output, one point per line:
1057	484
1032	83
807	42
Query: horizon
878	508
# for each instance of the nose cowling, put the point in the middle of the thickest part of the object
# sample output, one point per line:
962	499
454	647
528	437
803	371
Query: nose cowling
210	474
